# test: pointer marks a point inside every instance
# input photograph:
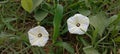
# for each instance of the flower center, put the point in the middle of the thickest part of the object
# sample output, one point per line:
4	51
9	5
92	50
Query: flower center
78	24
39	35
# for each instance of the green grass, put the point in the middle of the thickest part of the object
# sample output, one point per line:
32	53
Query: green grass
102	36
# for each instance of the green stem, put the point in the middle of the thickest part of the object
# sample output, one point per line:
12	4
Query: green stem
87	34
102	39
85	43
94	38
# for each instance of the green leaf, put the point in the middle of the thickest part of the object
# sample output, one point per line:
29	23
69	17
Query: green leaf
90	50
112	19
23	36
85	12
59	51
42	50
87	3
65	45
5	37
99	22
64	30
57	21
114	25
117	39
36	3
9	19
27	5
85	43
40	15
35	50
51	50
9	26
30	5
73	5
4	34
105	51
116	20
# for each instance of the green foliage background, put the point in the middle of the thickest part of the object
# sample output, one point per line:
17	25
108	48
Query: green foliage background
18	16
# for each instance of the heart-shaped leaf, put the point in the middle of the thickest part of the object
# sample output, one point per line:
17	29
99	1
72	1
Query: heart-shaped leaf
40	15
66	46
90	50
30	5
27	5
36	3
99	22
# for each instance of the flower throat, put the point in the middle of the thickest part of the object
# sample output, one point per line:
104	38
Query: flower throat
78	24
39	35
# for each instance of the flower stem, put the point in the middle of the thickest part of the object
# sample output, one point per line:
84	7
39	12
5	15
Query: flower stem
85	43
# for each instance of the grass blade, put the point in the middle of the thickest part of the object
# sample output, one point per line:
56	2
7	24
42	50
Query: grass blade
57	21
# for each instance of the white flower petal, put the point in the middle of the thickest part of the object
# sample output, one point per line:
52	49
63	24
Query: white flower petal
84	21
84	27
76	30
81	19
43	41
43	31
40	41
71	20
34	37
78	19
71	25
71	30
32	42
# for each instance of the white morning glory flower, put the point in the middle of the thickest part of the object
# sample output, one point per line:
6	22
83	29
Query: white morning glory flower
38	36
78	24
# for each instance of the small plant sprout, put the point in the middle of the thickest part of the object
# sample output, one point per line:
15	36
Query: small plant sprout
38	36
78	24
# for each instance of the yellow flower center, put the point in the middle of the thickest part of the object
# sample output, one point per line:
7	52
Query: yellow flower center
78	24
39	35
